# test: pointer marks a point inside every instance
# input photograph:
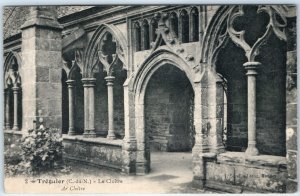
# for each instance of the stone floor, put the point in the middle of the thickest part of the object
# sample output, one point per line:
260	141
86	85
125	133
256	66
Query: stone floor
171	172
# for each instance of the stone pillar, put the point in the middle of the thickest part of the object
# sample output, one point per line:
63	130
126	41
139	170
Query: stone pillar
41	67
129	147
16	92
291	106
89	107
92	107
251	68
201	136
7	108
71	130
110	96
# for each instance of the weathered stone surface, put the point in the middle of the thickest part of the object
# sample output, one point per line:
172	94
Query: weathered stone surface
292	164
262	173
99	151
42	74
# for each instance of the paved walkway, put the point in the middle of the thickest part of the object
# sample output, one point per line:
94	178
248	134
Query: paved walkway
171	172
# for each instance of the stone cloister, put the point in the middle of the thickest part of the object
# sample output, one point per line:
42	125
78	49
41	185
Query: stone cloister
219	81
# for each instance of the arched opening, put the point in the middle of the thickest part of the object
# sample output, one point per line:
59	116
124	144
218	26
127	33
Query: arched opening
78	102
153	27
271	98
101	102
13	94
64	102
184	26
168	111
137	37
120	75
270	93
230	66
194	34
173	23
145	36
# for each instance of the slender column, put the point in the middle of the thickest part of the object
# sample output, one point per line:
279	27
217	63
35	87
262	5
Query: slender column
7	108
71	130
16	92
92	107
110	96
251	68
86	108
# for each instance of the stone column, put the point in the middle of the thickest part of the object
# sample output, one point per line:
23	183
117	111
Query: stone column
251	68
110	96
92	83
7	108
16	92
86	108
89	107
71	130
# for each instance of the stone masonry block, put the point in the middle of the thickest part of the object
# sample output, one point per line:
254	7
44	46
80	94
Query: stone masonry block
42	44
292	164
55	75
42	74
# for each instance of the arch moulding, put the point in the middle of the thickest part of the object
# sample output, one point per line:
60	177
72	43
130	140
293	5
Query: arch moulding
91	52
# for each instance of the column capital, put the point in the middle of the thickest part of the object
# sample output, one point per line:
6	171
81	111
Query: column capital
109	80
70	82
251	67
88	82
15	88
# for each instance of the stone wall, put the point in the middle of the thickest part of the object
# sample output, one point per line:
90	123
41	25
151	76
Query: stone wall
15	16
259	174
93	151
291	107
270	88
167	110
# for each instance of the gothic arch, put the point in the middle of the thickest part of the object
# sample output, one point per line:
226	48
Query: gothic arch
153	62
91	59
139	84
12	57
219	30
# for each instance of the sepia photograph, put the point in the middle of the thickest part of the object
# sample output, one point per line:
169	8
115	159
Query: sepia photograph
139	99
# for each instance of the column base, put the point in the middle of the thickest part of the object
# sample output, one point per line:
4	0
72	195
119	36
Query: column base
92	133
252	151
7	127
15	128
86	133
141	168
89	134
71	131
198	182
111	135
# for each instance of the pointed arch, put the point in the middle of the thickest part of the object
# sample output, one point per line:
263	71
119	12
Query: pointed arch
12	60
137	36
153	27
173	23
145	35
90	57
184	26
194	24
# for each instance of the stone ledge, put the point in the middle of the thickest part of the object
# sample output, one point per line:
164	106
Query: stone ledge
260	160
97	140
13	132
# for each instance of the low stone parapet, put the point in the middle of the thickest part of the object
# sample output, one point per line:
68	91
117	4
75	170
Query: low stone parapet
237	172
99	152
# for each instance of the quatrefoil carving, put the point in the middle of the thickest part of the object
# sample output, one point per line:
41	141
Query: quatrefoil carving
277	23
